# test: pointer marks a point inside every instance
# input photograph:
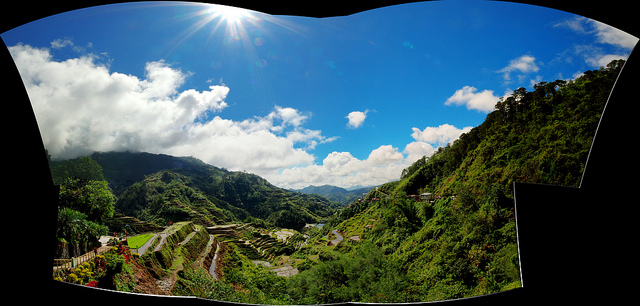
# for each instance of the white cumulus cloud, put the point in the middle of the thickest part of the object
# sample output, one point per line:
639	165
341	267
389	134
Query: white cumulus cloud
483	101
609	35
440	135
110	111
82	107
384	164
604	33
356	119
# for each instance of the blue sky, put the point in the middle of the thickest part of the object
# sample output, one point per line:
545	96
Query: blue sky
347	101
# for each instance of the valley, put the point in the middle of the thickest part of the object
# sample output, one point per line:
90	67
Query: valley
233	236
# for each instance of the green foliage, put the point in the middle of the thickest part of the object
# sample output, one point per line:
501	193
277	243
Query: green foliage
75	229
251	283
84	168
466	245
543	136
365	276
208	195
290	219
92	198
337	194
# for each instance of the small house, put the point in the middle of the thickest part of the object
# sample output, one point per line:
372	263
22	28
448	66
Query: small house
427	196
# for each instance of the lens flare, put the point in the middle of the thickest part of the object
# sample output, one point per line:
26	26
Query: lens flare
230	14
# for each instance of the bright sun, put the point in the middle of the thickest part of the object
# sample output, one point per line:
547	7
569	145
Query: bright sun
229	13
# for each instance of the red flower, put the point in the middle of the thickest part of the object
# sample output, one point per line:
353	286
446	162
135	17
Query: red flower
92	284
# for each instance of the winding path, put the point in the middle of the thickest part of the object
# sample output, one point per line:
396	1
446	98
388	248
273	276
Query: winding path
338	237
163	238
212	269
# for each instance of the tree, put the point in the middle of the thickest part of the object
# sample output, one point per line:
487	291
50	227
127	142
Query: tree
76	230
92	198
82	167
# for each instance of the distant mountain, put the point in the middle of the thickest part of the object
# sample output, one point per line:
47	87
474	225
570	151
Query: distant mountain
160	188
337	194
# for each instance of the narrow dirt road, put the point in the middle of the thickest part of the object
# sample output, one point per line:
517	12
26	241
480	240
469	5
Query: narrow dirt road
163	238
143	248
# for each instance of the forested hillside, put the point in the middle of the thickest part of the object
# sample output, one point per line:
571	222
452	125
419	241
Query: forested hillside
160	188
464	242
542	136
213	196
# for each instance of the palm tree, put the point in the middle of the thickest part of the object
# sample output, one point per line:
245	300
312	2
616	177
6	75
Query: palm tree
75	230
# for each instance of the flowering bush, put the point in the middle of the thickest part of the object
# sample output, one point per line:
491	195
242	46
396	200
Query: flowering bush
92	284
102	267
125	252
100	262
73	278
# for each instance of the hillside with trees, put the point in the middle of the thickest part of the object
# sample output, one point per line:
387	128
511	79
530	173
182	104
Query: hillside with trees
159	188
211	196
464	242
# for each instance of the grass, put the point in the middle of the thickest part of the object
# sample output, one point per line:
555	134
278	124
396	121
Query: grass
138	241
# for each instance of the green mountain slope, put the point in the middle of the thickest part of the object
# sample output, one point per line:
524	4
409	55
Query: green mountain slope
543	136
122	169
161	188
464	242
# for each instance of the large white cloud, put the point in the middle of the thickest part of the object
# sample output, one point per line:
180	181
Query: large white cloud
248	145
604	33
384	164
440	135
82	107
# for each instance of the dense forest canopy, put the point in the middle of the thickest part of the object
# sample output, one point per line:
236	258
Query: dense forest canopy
540	136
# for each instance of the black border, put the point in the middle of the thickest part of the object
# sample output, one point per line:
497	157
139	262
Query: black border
575	243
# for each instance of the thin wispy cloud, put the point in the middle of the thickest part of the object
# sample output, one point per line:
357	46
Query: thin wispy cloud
524	64
593	53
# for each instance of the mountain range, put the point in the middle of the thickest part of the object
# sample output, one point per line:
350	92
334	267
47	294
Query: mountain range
160	188
337	194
